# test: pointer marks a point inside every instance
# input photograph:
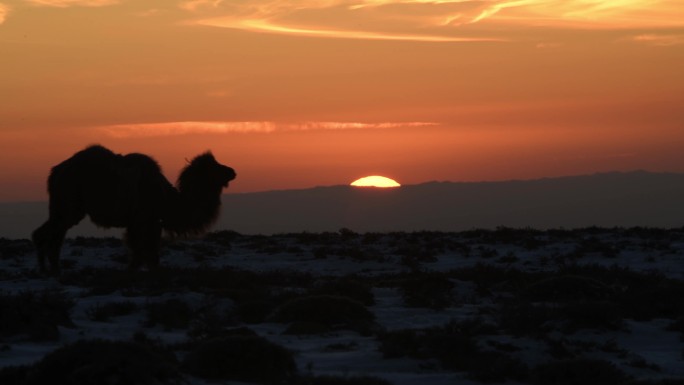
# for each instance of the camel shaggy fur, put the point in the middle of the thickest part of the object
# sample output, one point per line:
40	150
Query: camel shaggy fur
130	191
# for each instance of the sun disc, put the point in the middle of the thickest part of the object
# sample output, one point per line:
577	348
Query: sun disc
375	181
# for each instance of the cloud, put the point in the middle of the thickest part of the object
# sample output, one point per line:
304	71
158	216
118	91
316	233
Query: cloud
4	11
72	3
260	127
431	20
658	39
268	27
196	5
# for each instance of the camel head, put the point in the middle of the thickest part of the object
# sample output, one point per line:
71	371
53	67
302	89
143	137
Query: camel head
204	167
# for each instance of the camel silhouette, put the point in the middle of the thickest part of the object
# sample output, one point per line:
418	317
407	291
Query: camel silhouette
129	191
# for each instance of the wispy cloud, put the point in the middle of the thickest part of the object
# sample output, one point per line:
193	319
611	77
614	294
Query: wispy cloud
255	25
196	5
659	39
259	127
72	3
4	11
430	20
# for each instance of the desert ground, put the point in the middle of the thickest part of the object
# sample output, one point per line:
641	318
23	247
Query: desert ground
517	306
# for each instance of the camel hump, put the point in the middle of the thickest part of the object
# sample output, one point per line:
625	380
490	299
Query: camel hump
96	171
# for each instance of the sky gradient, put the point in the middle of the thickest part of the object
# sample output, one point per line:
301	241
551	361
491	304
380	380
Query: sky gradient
295	94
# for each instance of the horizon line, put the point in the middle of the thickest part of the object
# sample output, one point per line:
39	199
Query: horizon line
409	185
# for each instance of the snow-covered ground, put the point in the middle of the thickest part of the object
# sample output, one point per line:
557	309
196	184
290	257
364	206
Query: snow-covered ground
534	298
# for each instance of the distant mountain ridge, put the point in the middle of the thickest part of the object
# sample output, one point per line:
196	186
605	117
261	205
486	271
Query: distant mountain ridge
615	199
627	199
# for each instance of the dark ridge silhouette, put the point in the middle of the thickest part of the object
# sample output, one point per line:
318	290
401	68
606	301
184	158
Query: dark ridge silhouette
130	191
622	199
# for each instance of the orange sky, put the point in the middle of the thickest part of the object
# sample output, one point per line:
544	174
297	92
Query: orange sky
295	94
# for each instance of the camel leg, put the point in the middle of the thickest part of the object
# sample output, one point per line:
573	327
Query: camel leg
144	241
41	239
49	237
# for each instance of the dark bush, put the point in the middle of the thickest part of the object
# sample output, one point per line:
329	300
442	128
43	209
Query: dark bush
490	278
331	380
677	326
333	312
430	290
346	287
241	358
103	312
641	296
580	371
525	318
536	319
224	237
490	366
171	314
665	381
567	288
401	343
255	311
455	347
305	327
596	315
653	297
12	248
13	375
99	362
36	315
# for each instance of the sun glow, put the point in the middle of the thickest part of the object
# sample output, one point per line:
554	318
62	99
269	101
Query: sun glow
375	181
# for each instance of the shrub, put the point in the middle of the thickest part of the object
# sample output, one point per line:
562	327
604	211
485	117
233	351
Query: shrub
13	375
241	358
331	380
332	312
34	314
665	381
455	347
255	311
171	314
525	318
430	290
224	237
12	248
104	312
490	366
346	287
105	362
567	288
597	315
581	371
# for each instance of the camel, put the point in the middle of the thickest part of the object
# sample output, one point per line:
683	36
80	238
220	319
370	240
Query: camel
130	191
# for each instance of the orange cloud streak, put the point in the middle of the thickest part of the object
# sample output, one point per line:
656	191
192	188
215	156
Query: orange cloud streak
72	3
4	11
184	128
658	39
267	26
433	20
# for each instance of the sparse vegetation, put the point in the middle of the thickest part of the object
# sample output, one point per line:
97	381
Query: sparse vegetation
488	305
95	362
455	346
578	372
325	313
104	312
241	358
170	314
331	380
34	315
430	290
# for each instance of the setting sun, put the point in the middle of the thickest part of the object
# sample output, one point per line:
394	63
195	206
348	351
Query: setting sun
375	181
